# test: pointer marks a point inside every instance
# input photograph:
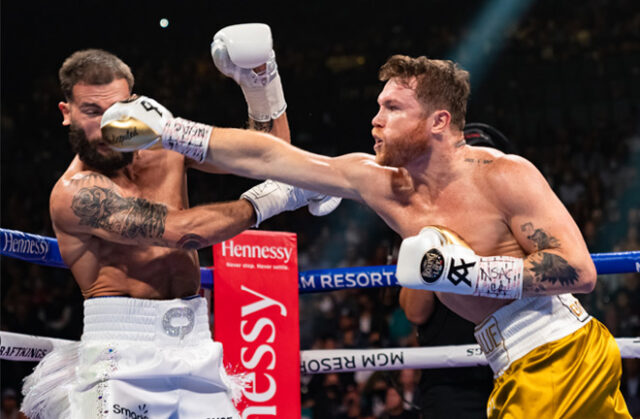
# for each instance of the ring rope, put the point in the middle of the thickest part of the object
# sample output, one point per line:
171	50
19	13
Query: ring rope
45	251
20	347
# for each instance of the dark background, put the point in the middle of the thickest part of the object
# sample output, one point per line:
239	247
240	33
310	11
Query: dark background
560	79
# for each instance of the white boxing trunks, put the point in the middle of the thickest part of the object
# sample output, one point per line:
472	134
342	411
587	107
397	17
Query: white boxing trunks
137	359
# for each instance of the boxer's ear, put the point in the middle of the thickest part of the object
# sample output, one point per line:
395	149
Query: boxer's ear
441	119
64	109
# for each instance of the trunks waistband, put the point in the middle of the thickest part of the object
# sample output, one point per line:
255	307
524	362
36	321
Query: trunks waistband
517	328
171	322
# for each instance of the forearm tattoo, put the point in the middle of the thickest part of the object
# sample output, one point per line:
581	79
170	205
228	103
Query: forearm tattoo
544	268
131	218
261	126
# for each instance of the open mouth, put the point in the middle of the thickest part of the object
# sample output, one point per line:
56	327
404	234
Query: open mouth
378	143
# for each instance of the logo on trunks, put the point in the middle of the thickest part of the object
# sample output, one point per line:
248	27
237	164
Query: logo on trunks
489	337
431	266
574	307
129	413
459	273
178	321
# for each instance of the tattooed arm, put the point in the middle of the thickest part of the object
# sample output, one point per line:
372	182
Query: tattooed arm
91	204
558	260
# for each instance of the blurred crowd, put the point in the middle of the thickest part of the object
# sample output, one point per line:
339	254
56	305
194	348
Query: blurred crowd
564	86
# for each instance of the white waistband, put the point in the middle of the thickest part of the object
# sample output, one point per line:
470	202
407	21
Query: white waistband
517	328
177	321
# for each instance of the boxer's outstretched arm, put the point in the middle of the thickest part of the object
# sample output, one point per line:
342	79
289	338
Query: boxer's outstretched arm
558	260
143	123
261	156
92	204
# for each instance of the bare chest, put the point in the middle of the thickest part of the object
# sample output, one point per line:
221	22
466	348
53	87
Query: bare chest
469	212
464	209
161	180
106	267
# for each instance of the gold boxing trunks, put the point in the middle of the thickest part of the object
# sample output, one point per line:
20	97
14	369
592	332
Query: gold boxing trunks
551	360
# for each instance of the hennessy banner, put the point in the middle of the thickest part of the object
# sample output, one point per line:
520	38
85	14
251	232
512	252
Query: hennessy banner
256	319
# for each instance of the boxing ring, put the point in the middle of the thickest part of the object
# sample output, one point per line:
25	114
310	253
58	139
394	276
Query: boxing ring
44	251
245	294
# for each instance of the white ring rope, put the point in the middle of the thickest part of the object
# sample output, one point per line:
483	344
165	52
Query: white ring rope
19	347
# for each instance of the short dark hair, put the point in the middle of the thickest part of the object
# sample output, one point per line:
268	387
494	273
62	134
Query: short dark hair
92	66
442	84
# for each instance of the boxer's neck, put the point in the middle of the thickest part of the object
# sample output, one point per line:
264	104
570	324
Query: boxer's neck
440	165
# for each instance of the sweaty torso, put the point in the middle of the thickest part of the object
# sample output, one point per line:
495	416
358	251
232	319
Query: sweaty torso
465	205
106	267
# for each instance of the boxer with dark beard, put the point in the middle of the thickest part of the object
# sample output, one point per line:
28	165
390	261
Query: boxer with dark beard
107	162
125	229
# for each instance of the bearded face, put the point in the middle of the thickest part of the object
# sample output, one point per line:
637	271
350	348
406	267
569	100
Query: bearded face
107	162
400	126
398	151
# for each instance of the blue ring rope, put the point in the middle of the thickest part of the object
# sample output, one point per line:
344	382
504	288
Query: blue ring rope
45	251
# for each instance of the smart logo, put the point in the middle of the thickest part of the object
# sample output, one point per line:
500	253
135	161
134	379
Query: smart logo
128	413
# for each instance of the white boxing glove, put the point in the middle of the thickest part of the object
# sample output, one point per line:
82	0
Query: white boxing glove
134	124
270	198
437	259
142	123
248	45
323	205
238	51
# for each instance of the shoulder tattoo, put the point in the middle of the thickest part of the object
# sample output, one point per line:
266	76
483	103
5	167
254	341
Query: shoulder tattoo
103	208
